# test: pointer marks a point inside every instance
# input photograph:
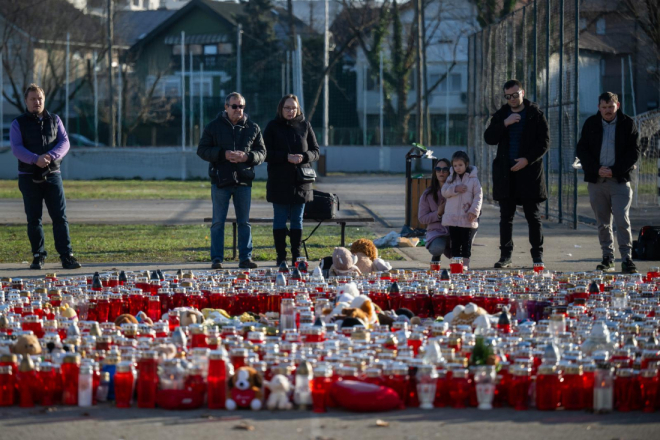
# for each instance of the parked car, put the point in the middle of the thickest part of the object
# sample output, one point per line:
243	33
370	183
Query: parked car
78	140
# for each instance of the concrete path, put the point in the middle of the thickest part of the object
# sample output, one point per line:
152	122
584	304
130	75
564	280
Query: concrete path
380	196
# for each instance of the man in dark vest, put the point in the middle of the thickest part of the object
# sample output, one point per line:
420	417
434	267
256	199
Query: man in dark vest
520	132
39	142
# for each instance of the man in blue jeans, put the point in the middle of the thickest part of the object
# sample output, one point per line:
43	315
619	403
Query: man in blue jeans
233	146
39	142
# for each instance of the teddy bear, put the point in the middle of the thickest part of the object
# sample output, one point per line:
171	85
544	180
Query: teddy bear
343	263
279	387
244	389
471	315
27	344
187	316
125	318
367	257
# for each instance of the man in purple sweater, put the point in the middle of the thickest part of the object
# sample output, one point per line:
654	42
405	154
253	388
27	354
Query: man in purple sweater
39	142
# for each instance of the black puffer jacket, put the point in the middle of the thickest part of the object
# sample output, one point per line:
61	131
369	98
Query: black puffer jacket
534	143
626	147
221	135
282	138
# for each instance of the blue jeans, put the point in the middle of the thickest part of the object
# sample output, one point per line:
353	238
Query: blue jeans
242	196
293	212
34	195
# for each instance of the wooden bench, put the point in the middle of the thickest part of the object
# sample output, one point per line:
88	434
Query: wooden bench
341	221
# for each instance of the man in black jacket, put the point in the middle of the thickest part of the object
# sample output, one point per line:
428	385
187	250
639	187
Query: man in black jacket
233	145
608	150
520	132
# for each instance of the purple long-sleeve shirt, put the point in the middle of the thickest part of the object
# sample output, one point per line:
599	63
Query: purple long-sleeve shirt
24	155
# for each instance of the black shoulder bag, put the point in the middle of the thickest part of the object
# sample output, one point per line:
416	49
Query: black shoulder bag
304	175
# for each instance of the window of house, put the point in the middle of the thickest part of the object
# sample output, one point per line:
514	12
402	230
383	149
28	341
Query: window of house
224	49
196	49
455	82
210	49
434	78
205	86
600	26
176	49
583	23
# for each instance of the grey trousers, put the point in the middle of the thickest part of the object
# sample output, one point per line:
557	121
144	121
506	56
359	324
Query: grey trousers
610	198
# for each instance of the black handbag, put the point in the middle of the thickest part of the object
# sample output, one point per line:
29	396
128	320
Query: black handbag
324	206
305	175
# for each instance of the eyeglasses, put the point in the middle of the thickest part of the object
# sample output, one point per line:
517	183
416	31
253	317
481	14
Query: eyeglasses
290	109
513	95
235	106
442	169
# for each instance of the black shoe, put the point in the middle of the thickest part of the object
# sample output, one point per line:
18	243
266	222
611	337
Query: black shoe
537	260
247	264
38	261
216	264
607	265
503	263
628	266
69	262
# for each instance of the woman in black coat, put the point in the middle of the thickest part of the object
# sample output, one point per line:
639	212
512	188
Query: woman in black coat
290	144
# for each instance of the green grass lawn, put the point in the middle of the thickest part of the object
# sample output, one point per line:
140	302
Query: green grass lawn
133	189
166	244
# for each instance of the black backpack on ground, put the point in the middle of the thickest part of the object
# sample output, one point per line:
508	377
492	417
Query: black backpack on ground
647	246
323	207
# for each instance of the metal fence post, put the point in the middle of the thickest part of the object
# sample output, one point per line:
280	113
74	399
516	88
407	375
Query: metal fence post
577	108
534	95
560	111
547	102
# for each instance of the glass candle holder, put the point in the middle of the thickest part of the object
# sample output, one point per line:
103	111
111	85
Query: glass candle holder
484	378
603	400
217	379
456	265
649	388
7	385
70	374
548	388
427	381
321	384
572	392
623	389
124	384
519	387
147	382
459	388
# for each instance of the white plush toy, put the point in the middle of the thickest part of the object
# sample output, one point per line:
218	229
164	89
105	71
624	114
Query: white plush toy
279	388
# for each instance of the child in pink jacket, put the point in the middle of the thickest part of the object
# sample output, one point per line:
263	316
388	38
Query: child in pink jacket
464	198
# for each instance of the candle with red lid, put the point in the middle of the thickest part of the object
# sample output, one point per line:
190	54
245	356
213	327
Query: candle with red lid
70	375
320	386
7	385
519	388
459	388
217	379
147	381
548	388
28	383
572	388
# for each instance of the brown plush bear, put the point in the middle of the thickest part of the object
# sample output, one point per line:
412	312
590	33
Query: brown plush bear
367	257
27	344
343	263
126	318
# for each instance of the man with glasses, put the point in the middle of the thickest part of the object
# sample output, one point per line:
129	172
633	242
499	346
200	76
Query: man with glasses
520	132
608	150
233	146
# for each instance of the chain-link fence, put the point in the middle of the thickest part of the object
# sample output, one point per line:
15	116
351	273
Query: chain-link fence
537	45
646	179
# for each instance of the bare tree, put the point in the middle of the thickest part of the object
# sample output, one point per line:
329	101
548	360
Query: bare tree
33	42
646	13
381	28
